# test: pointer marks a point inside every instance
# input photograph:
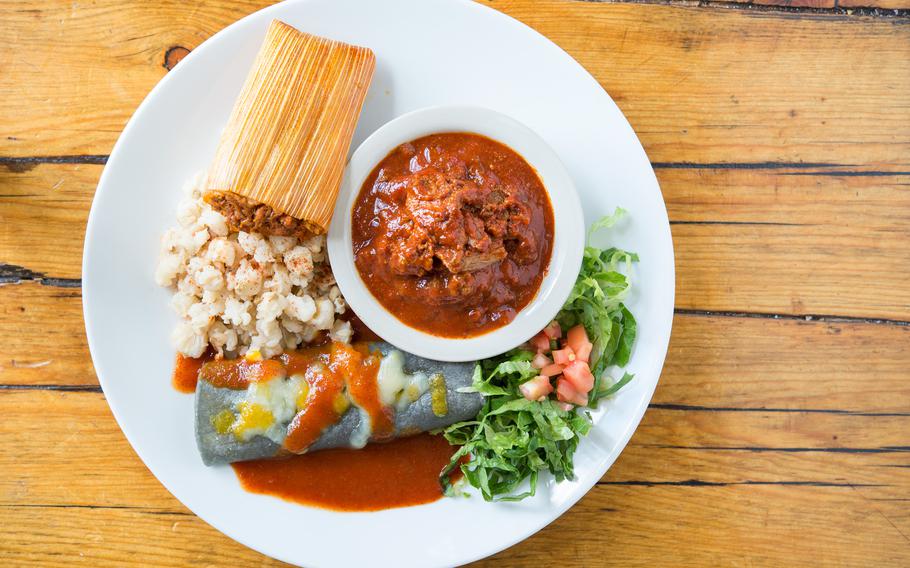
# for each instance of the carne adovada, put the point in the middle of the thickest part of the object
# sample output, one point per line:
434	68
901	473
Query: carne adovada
453	233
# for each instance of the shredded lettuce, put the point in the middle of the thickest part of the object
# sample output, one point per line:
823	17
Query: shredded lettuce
513	439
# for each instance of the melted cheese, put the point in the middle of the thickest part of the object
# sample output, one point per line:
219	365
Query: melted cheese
397	388
391	378
361	435
267	407
252	419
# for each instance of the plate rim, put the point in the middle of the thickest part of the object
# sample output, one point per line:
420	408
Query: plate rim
88	299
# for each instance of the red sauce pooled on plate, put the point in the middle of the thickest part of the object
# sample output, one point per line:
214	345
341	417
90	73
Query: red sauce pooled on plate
186	371
399	473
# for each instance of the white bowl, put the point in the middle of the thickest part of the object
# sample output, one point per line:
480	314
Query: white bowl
568	230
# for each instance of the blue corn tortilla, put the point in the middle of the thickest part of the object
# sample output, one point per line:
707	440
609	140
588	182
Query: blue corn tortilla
215	448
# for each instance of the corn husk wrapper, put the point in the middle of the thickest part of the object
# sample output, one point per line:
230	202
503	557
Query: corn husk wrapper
287	140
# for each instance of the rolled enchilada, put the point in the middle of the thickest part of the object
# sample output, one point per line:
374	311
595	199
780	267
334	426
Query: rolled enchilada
333	396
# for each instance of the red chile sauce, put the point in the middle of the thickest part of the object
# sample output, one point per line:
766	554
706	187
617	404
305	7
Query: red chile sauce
186	371
329	370
399	473
453	233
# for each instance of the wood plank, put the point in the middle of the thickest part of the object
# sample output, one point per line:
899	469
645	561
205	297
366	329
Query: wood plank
66	537
797	270
797	431
671	72
766	363
112	54
670	447
713	362
796	3
669	68
43	211
689	100
119	505
41	466
729	522
868	198
779	526
44	336
826	242
750	526
882	4
791	241
643	463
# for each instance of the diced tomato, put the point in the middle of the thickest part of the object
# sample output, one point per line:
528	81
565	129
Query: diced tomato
537	388
553	331
540	361
580	376
541	342
564	356
585	353
567	393
551	370
577	339
564	406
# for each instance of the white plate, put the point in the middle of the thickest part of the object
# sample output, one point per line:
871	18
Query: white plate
428	53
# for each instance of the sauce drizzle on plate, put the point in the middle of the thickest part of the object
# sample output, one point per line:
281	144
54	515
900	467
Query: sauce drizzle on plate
399	473
186	372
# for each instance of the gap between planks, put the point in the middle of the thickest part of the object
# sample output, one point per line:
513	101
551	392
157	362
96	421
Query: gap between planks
90	388
774	7
789	450
20	164
796	317
12	274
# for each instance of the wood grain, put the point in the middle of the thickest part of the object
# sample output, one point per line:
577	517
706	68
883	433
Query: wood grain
117	537
833	355
60	195
670	69
848	257
737	493
797	3
780	136
720	526
692	447
766	526
690	100
113	477
883	4
97	60
44	336
786	364
715	362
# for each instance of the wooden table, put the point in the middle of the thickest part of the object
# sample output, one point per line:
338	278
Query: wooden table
780	431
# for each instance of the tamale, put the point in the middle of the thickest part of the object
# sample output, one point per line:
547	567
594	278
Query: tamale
279	164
